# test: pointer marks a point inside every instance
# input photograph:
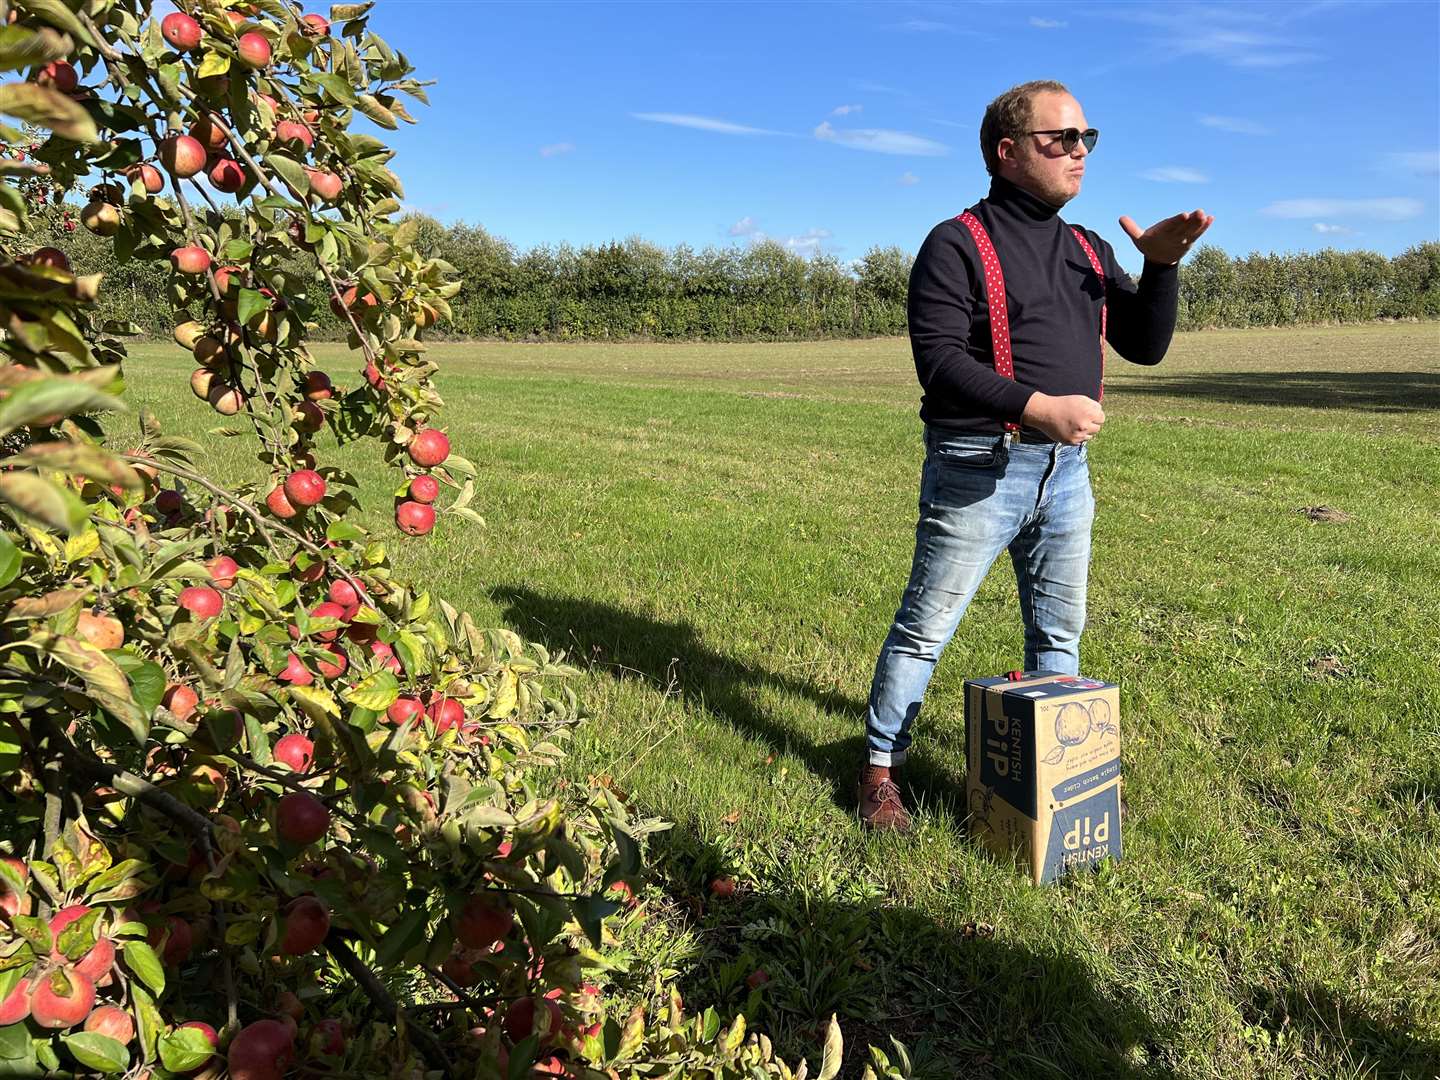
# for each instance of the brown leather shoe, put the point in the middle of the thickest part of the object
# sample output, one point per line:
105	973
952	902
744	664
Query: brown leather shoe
880	804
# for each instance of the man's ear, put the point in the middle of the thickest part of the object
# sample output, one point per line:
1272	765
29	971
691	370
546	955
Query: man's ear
1006	150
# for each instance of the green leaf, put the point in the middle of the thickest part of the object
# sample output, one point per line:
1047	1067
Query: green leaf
341	530
55	507
213	63
377	691
17	1051
149	1022
78	938
98	1051
10	880
48	108
147	684
9	560
291	171
43	398
57	14
22	47
185	1050
404	935
591	913
371	107
140	958
346	12
105	682
36	931
338	88
251	302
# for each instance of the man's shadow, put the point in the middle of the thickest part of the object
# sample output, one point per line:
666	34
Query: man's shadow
665	654
966	1001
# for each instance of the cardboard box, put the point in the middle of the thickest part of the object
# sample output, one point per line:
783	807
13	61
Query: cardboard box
1044	770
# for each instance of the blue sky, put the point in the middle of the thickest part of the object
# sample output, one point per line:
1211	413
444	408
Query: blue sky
842	126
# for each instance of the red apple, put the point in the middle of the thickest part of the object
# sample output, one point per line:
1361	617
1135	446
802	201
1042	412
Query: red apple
327	610
102	631
318	386
722	887
405	708
335	667
318	24
179	939
424	489
180	700
227	175
447	713
253	49
59	75
757	978
16	1007
108	1020
225	399
294	135
208	134
223	570
169	501
301	818
190	260
519	1022
15	903
325	184
278	504
296	751
306	923
202	382
484	920
209	350
181	31
415	519
100	218
344	594
386	655
262	1051
429	448
61	999
183	155
295	673
304	487
50	257
202	601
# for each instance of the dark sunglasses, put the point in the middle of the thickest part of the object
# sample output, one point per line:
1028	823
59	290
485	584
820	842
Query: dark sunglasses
1070	136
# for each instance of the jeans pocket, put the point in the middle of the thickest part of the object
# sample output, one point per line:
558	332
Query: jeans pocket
966	453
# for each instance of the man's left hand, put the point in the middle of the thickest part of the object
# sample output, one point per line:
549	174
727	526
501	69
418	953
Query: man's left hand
1168	241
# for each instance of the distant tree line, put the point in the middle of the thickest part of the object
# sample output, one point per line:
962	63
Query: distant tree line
634	289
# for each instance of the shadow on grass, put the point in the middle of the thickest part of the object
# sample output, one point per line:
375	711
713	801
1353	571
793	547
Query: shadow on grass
1366	391
964	1001
665	654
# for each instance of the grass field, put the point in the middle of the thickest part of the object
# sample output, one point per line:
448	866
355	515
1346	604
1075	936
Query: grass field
720	535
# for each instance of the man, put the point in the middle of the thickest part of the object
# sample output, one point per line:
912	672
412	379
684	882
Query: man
1008	419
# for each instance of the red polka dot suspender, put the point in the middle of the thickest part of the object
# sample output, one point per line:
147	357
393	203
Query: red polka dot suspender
995	298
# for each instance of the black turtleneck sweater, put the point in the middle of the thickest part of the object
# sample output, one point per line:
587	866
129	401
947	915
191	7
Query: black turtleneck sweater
1053	301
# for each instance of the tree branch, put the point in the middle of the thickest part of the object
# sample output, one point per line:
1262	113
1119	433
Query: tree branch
380	997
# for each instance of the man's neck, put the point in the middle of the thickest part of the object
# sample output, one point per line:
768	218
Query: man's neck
1016	183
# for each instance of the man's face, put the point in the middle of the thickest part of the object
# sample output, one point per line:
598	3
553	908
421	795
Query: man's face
1038	163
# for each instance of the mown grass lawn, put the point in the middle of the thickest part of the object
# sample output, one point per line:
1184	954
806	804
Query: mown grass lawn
720	534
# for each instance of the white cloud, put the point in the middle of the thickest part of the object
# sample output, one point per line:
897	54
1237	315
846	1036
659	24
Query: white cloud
845	110
703	123
746	226
1176	174
926	26
1419	162
808	242
1238	125
1332	230
909	179
555	149
1393	209
1047	24
948	123
1232	34
881	141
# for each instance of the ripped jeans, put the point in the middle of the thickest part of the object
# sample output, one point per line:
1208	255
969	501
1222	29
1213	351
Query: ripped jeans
977	498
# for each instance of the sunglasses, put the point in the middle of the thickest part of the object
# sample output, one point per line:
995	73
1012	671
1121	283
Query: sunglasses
1070	136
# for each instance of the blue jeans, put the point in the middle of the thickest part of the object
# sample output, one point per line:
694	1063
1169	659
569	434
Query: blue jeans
977	498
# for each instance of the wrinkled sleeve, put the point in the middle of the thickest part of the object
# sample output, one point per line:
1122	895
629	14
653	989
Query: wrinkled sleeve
1141	318
941	310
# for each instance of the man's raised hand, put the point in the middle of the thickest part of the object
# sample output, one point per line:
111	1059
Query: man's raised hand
1168	241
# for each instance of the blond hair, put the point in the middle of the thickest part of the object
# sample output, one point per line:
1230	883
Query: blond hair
1010	115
